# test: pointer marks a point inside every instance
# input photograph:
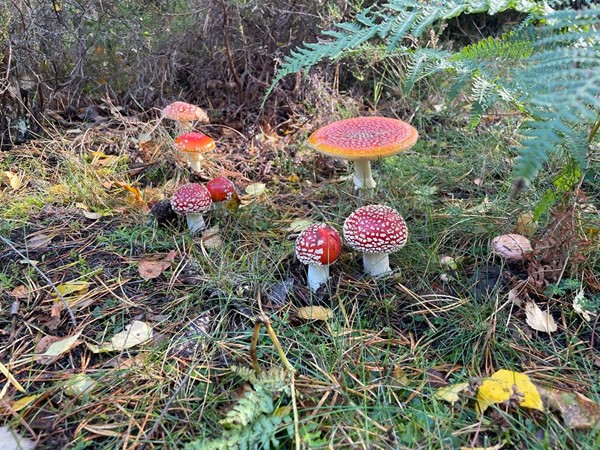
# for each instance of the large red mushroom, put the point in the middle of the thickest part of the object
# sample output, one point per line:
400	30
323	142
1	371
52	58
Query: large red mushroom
193	145
318	245
376	231
362	140
192	200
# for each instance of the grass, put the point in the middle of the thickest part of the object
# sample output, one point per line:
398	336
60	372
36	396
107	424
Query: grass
366	378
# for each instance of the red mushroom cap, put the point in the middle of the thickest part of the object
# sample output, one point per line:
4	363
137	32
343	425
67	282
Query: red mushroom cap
194	142
364	138
184	112
318	244
192	198
220	189
375	229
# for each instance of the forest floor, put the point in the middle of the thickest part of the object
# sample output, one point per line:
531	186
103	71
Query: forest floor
370	365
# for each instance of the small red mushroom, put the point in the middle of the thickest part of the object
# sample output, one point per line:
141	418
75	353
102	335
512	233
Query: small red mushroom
221	189
184	113
376	231
318	245
191	200
193	145
362	140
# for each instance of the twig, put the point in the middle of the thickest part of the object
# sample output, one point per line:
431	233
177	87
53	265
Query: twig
43	275
229	55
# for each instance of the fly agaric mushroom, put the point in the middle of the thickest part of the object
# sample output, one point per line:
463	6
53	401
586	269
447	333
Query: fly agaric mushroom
221	189
376	231
193	145
362	140
191	200
318	245
511	247
184	113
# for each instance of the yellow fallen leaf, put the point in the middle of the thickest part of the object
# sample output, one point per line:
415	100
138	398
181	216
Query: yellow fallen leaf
66	289
11	379
298	225
79	384
538	319
255	189
315	313
22	403
56	349
134	334
133	190
450	393
12	179
505	385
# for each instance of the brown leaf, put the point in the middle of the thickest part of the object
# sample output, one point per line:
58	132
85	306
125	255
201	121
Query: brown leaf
38	241
577	411
20	292
152	269
45	342
11	179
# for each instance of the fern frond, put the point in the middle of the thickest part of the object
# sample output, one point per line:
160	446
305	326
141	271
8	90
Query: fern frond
396	20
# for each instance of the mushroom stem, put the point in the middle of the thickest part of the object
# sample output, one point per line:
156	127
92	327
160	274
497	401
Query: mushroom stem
195	222
316	276
195	160
376	264
363	179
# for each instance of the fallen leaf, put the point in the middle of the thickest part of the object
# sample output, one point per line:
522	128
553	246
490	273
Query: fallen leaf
211	238
538	319
134	334
152	269
580	305
38	241
450	393
57	348
21	292
255	189
298	225
233	204
525	225
22	403
45	342
11	440
399	375
11	179
577	411
505	385
12	380
79	384
66	289
314	313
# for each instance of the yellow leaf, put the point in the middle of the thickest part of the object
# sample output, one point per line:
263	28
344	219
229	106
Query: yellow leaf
298	225
10	378
315	313
255	189
79	384
134	334
450	393
134	191
56	349
71	287
12	179
23	402
505	385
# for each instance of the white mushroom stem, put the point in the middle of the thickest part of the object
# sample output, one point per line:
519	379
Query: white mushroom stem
363	179
376	264
195	222
317	276
195	160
